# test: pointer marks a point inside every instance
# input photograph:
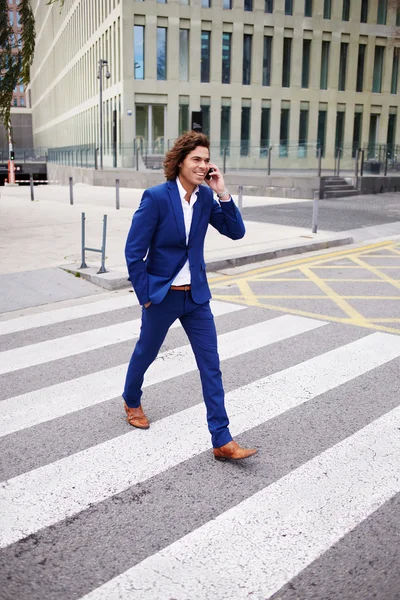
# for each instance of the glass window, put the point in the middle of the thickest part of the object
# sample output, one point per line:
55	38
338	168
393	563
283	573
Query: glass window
15	102
343	66
227	4
373	135
360	67
391	134
378	69
11	20
21	89
226	57
288	7
248	5
284	132
225	127
245	131
18	14
305	69
308	6
324	65
265	130
346	10
339	136
327	9
395	72
205	56
382	12
287	55
269	6
205	113
364	11
357	130
398	17
161	53
206	3
184	54
303	133
162	1
183	118
247	42
267	60
321	134
138	51
22	101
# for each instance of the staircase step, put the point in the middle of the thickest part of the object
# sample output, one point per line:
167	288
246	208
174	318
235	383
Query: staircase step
341	194
338	188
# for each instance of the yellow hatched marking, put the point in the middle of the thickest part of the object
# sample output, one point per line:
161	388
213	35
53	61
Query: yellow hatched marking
289	266
385	320
341	303
375	270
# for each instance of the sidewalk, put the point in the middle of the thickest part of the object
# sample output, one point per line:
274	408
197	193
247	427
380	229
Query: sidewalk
38	236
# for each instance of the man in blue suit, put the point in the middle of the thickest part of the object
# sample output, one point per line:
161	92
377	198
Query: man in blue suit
165	258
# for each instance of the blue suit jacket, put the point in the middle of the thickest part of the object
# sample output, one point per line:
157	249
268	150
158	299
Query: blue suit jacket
158	231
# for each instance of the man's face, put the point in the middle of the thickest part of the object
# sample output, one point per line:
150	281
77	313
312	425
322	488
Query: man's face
195	166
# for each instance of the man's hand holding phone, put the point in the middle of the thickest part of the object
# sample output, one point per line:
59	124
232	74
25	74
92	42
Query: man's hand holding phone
215	181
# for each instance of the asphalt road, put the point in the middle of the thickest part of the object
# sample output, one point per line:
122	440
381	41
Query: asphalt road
93	509
340	214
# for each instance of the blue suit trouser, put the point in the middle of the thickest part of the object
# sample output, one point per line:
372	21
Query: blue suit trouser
198	323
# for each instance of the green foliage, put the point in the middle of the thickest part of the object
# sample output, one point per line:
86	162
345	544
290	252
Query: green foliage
15	60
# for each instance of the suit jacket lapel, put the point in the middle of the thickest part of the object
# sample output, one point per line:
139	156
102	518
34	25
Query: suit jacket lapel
197	208
177	208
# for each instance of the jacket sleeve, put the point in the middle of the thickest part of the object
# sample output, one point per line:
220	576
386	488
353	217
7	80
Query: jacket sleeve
144	224
226	218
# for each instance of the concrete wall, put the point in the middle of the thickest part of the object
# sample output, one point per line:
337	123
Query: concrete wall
291	186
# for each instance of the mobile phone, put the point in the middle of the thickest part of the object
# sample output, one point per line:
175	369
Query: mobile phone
208	176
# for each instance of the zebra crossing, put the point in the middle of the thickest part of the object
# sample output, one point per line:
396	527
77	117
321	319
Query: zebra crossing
93	509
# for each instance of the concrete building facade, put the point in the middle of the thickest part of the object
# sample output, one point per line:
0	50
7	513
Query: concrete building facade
292	74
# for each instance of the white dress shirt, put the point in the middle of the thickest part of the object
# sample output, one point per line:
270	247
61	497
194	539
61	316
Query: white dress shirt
183	277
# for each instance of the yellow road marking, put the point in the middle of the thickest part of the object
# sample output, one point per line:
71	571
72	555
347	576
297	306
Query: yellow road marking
376	271
289	265
341	303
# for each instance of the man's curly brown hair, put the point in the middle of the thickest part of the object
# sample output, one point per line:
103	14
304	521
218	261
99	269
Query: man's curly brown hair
185	144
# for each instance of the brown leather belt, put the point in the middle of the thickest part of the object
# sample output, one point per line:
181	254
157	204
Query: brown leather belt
181	288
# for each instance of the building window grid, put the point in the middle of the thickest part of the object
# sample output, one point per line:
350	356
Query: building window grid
321	131
248	5
284	132
267	61
346	10
382	12
247	51
395	72
305	69
287	58
161	53
205	56
225	129
269	6
184	54
364	11
303	133
265	131
360	67
288	7
343	66
378	69
339	134
327	9
227	4
245	131
226	57
308	8
324	65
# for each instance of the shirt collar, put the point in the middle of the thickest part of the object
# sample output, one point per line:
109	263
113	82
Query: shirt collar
182	191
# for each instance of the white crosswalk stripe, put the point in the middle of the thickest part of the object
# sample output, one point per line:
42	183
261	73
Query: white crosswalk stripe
36	354
279	530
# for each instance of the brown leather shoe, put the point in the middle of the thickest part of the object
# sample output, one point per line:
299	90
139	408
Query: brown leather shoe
232	451
136	417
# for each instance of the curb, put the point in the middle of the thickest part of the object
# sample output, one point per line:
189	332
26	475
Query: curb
116	280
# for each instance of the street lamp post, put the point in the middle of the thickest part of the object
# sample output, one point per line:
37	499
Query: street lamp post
101	64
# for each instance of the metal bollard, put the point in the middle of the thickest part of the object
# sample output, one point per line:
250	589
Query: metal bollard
71	191
83	264
269	160
224	168
103	247
117	194
32	188
315	212
356	163
240	197
137	159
